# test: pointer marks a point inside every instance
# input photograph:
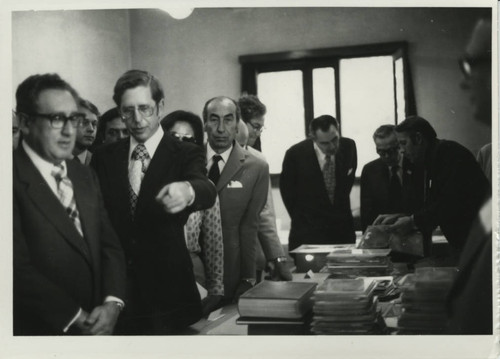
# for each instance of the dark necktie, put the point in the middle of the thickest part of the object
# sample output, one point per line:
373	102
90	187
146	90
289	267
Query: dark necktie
329	177
395	191
141	159
214	173
66	197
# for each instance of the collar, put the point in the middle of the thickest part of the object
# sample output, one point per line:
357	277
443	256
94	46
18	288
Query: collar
224	155
151	143
319	153
45	167
83	156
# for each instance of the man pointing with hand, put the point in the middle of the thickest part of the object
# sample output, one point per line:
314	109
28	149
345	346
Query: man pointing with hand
150	184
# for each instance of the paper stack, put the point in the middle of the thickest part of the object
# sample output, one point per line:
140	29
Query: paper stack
423	300
353	263
346	306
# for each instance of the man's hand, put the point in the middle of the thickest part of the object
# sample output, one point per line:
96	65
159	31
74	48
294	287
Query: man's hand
210	303
280	271
102	320
242	288
80	322
175	196
387	218
403	225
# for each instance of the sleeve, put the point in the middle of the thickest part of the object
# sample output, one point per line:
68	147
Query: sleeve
35	295
213	249
366	209
268	233
288	182
250	222
353	163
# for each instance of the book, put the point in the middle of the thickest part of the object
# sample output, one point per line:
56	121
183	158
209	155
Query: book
269	299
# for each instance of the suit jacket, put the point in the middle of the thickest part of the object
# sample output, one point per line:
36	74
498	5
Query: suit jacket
314	219
270	245
159	267
470	305
455	188
56	271
242	189
375	183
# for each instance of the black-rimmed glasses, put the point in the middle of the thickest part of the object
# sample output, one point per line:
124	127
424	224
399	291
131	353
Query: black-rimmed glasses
58	121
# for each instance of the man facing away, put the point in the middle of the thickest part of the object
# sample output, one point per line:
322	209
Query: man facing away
242	182
150	184
69	268
389	184
315	183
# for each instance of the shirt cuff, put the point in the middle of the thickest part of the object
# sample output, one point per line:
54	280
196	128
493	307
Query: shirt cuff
72	320
191	192
111	298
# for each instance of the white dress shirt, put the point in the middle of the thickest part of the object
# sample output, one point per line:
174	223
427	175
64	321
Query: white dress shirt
211	153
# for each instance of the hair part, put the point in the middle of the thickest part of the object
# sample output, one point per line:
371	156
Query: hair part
29	90
220	98
251	107
135	78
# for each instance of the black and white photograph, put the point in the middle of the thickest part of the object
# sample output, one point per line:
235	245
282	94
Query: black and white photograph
234	179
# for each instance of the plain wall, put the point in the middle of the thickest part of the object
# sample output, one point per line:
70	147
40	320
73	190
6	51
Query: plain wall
89	48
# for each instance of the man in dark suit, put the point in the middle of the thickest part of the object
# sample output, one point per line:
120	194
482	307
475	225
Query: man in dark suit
150	184
315	183
390	183
242	182
454	185
69	268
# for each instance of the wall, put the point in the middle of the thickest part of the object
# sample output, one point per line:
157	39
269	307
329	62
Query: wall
197	58
89	49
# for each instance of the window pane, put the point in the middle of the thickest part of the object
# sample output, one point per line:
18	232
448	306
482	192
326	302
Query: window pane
324	91
400	90
282	93
367	101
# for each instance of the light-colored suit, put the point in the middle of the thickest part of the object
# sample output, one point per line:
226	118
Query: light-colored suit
268	233
242	189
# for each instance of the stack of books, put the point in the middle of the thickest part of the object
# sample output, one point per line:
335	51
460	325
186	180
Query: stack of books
353	263
277	307
423	300
346	306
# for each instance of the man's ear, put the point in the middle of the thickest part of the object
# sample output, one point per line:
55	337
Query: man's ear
161	106
24	122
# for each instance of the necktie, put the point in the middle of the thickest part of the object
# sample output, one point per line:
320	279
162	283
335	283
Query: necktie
329	177
140	162
395	191
65	194
214	173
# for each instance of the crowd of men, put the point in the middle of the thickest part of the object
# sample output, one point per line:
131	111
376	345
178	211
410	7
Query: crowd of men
101	204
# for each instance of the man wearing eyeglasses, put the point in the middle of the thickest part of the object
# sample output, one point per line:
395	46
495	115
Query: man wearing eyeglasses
389	183
86	132
150	184
69	267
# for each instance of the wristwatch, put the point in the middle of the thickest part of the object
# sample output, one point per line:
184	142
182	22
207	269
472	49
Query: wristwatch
281	259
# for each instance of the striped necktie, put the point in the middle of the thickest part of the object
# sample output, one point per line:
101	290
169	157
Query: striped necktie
65	194
140	163
329	177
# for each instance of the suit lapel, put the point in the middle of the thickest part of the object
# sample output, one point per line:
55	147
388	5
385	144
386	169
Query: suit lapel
48	204
233	165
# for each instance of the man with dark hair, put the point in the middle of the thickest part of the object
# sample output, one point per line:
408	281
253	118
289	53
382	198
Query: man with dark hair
86	132
270	249
389	184
454	185
315	183
150	184
69	268
242	182
110	128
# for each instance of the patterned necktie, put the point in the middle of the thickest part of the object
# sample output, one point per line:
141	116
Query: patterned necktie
140	163
395	189
329	177
65	194
214	173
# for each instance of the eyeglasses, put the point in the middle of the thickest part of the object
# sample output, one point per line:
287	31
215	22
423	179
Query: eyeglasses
257	128
388	152
86	122
58	121
182	137
146	111
466	63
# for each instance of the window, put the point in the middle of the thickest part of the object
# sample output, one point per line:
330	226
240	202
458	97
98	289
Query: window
362	86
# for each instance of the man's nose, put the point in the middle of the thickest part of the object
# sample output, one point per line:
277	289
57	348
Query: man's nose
221	127
68	129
